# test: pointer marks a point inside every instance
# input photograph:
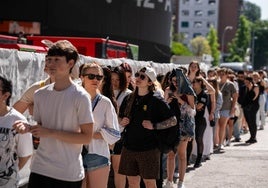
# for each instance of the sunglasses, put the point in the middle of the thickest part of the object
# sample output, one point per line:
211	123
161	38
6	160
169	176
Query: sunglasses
93	76
141	76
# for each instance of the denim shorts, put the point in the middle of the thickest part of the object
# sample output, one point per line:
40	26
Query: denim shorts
225	113
94	161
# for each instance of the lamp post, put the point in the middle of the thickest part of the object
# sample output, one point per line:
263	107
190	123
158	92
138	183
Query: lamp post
252	48
222	39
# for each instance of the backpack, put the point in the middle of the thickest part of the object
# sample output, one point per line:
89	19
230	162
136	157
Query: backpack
168	139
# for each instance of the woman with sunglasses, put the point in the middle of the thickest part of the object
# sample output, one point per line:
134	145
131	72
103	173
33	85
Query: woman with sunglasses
176	101
120	84
141	113
105	131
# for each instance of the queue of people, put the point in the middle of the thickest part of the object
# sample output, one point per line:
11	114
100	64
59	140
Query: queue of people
111	118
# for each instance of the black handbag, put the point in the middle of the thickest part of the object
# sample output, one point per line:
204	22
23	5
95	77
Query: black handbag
212	123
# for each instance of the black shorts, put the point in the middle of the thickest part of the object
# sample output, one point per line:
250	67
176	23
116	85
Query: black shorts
118	147
40	181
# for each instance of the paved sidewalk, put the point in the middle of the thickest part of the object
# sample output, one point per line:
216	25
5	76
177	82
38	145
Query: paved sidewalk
241	165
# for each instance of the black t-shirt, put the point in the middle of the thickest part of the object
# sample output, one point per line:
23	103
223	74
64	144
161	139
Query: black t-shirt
250	95
147	107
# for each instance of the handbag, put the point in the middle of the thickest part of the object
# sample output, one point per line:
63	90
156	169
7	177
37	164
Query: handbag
187	125
212	123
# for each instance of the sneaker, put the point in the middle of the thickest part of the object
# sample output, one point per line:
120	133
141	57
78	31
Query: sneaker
237	139
261	127
251	141
228	143
169	184
197	165
180	185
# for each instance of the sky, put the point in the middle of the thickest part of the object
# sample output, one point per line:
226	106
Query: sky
264	7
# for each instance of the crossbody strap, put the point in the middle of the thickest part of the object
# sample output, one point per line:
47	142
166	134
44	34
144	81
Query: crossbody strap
118	94
95	101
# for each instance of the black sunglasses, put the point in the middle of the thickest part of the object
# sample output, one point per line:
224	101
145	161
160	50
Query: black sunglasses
93	76
141	76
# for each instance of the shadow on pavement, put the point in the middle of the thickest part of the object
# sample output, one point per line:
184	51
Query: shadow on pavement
242	144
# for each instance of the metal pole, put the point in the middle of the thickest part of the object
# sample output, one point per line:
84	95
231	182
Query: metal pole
222	40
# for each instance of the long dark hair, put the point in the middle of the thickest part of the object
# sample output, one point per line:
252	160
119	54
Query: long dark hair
172	87
198	72
6	86
107	88
122	77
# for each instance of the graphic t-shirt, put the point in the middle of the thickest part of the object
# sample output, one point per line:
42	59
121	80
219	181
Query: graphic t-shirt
12	146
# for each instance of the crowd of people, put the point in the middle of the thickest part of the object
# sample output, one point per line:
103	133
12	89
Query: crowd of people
108	122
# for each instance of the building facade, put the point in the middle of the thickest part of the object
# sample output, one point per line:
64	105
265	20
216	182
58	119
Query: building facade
194	18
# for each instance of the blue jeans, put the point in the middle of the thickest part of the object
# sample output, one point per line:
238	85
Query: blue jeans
94	161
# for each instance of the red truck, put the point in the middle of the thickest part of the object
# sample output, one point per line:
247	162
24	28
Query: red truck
94	47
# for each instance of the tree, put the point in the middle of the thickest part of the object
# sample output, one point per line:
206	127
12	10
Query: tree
239	45
178	48
252	11
260	32
214	46
200	46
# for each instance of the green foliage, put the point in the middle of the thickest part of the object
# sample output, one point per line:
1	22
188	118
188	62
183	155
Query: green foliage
252	11
200	46
214	46
178	48
260	32
239	45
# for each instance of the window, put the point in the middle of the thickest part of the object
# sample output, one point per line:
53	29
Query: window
185	12
198	24
210	24
211	12
185	2
211	2
198	13
184	24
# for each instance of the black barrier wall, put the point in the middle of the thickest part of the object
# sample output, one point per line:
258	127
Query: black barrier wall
146	23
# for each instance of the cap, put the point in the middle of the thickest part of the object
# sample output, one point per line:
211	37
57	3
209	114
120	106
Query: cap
150	72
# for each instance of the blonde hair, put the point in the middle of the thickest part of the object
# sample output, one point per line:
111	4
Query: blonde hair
83	68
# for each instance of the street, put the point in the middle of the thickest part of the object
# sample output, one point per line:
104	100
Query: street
240	166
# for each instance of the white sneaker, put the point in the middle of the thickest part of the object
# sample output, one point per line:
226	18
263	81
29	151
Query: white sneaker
180	185
169	184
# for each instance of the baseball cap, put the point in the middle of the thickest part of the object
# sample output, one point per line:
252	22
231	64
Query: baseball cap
150	72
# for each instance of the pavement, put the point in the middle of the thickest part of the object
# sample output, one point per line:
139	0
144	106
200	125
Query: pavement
240	165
